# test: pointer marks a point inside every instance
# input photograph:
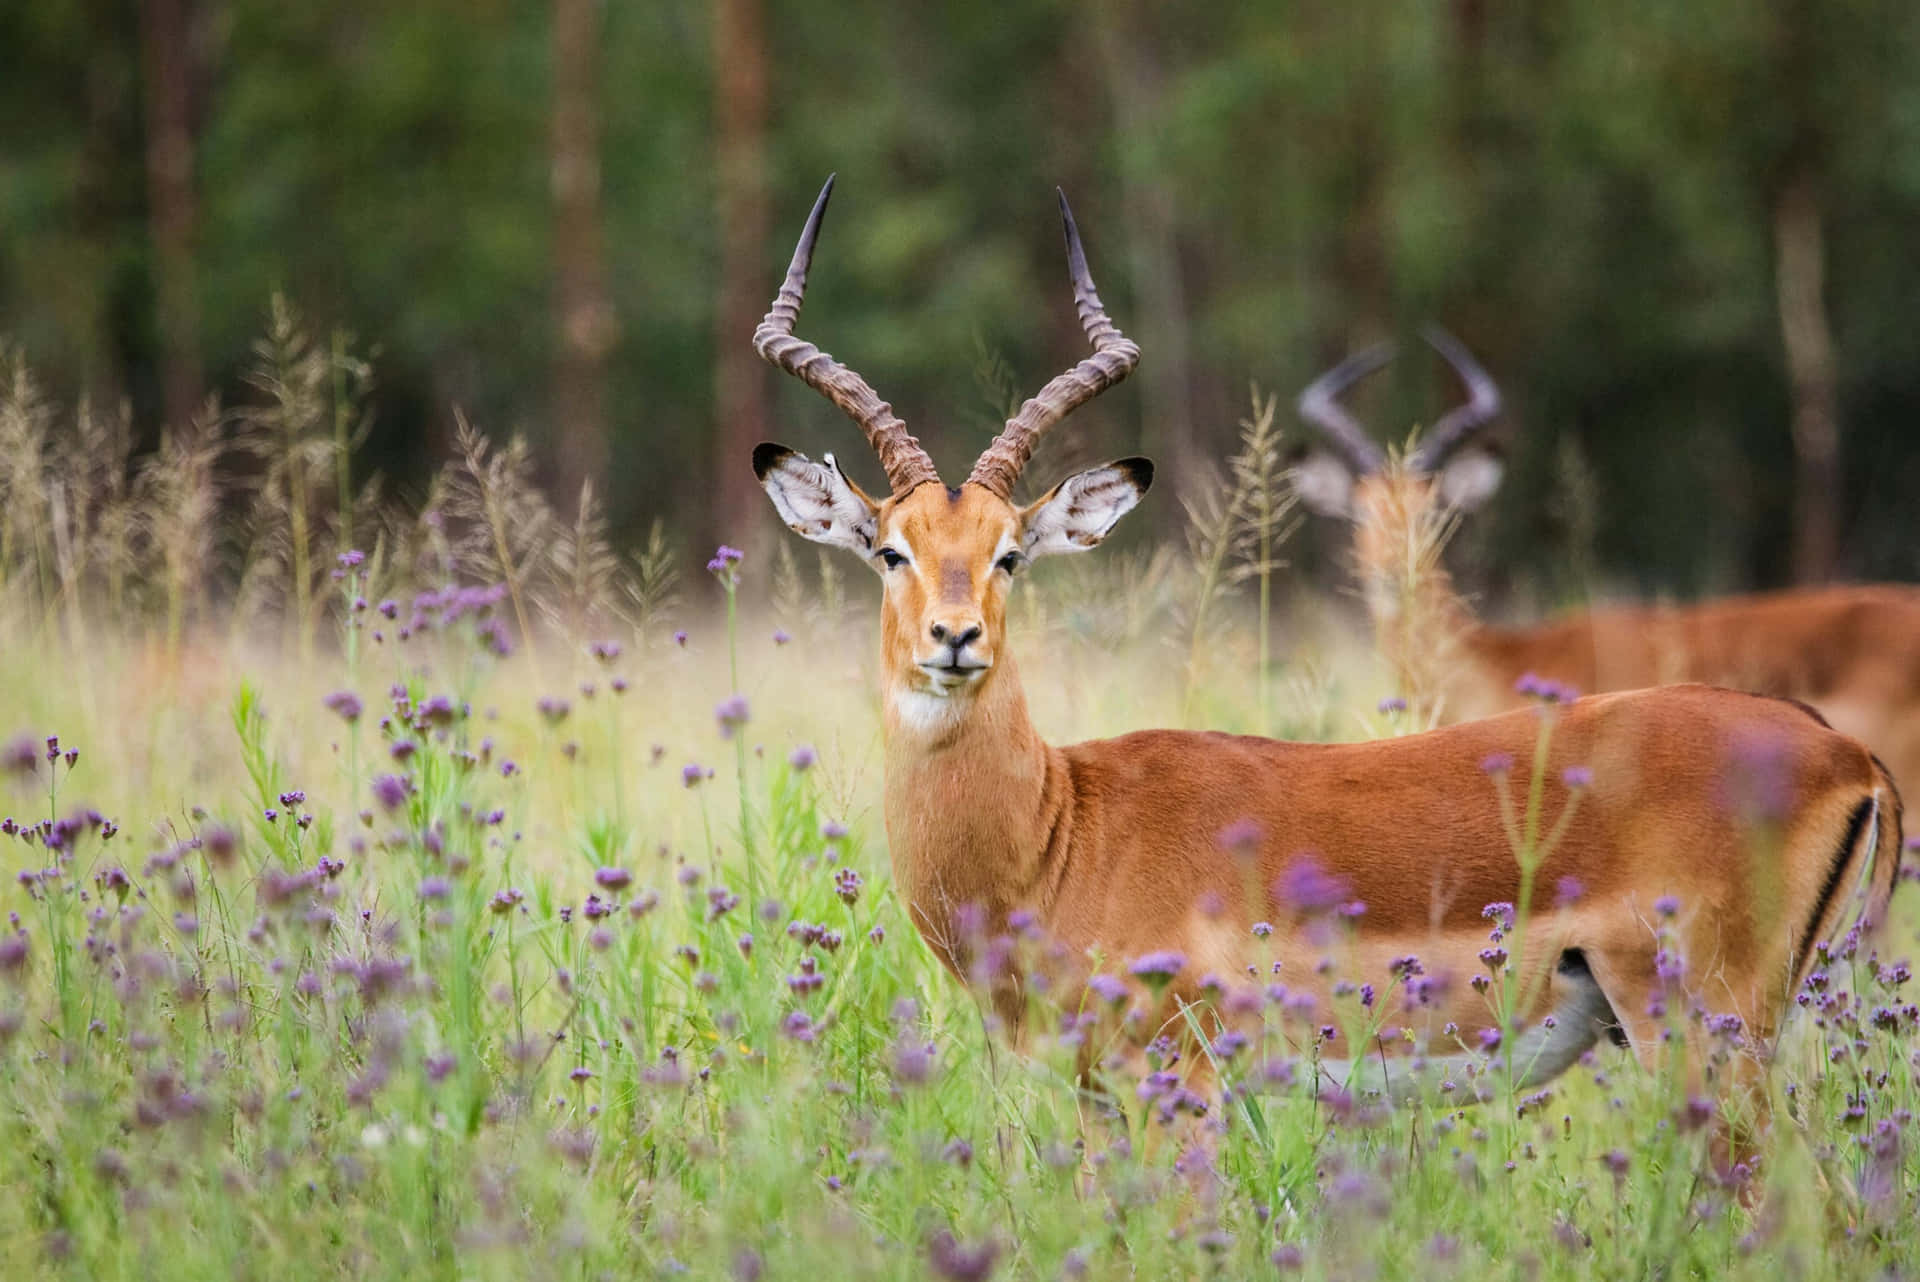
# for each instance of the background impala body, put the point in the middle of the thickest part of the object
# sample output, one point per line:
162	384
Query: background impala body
1853	652
1181	841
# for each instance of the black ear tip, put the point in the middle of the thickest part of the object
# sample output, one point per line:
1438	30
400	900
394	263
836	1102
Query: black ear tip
1140	470
767	456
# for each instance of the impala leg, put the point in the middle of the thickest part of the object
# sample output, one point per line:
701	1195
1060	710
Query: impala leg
1730	1080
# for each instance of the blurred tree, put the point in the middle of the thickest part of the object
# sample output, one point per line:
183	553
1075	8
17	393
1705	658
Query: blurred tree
1132	55
744	285
1600	199
586	322
168	69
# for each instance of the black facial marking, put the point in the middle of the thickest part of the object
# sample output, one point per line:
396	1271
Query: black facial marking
953	494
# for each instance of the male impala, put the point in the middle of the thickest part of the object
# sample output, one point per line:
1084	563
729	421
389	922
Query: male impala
1149	842
1851	652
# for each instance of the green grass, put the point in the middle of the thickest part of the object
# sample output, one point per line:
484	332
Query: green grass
427	1058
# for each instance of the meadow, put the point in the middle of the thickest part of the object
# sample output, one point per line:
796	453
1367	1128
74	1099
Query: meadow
426	890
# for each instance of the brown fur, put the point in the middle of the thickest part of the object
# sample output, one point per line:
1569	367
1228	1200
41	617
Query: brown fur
1115	845
1852	653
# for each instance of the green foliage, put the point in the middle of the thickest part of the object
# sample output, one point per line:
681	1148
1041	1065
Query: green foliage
1586	194
514	1012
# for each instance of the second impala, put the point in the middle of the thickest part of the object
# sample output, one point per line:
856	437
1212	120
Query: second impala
1850	650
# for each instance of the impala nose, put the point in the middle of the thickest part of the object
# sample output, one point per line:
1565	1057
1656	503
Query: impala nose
957	635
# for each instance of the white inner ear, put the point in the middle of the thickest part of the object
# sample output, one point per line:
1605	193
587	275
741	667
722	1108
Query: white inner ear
1324	484
1079	512
1470	478
818	502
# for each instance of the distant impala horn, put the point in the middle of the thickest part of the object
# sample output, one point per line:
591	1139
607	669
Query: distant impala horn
1319	406
1459	423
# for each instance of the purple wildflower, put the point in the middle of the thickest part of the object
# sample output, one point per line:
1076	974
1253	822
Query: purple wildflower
1667	905
1544	689
1497	763
345	704
731	713
390	791
1307	887
1758	784
1577	776
554	709
780	636
846	884
605	651
1241	837
21	756
802	758
435	888
219	843
612	878
958	1262
913	1062
1158	967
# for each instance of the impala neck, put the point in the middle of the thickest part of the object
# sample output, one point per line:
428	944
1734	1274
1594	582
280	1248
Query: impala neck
974	798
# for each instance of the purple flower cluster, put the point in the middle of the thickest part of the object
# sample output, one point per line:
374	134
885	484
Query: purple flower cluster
1546	690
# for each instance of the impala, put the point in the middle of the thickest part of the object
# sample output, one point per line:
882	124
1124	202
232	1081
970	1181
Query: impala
1851	652
1177	844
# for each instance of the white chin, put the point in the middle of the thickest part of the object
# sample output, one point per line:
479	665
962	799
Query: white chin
945	683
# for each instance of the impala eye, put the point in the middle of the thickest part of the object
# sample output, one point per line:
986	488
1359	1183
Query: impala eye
1010	562
891	559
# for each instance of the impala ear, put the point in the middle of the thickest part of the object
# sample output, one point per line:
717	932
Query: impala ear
1078	513
816	500
1470	476
1323	482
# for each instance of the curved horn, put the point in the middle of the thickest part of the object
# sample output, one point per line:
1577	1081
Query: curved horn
907	464
1319	406
1114	356
1462	421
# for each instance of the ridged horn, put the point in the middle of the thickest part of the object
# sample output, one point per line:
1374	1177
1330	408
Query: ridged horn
1114	356
1320	408
1462	421
906	463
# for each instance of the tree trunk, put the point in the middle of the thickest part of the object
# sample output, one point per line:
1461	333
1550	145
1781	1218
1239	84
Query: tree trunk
740	400
587	329
1800	269
1136	87
166	56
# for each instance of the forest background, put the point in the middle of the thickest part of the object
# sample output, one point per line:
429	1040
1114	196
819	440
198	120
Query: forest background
1680	236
